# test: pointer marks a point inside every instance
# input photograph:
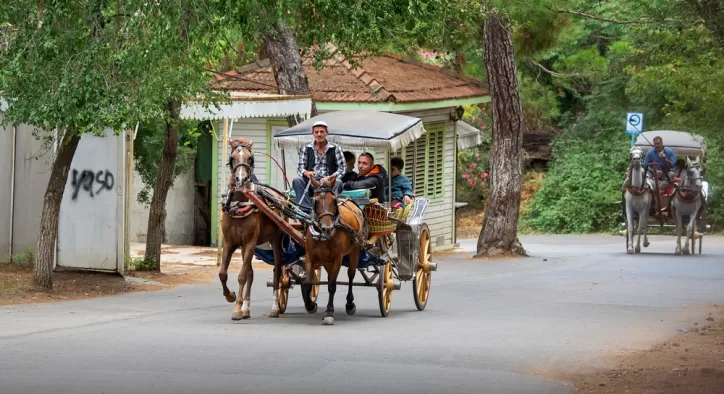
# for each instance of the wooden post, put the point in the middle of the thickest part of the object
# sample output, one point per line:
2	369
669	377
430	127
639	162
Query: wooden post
223	176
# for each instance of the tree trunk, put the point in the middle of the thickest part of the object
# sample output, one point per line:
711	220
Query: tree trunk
281	48
45	252
498	235
157	213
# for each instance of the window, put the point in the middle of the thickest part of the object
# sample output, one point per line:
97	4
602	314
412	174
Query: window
425	161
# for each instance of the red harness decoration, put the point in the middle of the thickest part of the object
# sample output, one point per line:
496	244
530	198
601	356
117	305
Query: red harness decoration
637	192
687	195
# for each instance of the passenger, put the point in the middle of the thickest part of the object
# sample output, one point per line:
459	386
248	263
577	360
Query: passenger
350	175
402	193
371	176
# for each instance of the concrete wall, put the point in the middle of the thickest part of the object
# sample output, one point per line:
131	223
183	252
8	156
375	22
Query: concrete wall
179	211
32	171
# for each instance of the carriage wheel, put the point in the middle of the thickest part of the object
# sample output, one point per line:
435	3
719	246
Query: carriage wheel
385	286
316	277
283	292
423	276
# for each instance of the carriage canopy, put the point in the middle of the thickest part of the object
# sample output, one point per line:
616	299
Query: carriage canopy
682	143
356	129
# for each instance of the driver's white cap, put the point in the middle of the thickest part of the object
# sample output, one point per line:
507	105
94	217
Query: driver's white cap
320	123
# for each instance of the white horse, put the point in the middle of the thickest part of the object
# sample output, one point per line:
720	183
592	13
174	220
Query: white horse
687	202
638	197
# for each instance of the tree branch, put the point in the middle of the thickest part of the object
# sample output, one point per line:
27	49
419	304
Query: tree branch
609	20
553	73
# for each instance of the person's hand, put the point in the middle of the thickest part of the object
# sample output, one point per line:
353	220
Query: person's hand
662	155
407	200
309	174
659	172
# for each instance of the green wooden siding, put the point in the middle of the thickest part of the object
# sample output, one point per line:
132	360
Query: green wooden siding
425	162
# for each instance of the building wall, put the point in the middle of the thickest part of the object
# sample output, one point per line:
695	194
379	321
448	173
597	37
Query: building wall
179	211
440	214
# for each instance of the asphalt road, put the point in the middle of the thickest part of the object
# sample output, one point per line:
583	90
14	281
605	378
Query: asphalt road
490	327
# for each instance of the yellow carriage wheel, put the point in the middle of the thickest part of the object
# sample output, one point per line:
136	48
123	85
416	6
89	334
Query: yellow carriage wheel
423	275
385	286
284	285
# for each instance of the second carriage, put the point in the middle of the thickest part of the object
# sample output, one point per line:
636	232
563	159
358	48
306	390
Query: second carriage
398	243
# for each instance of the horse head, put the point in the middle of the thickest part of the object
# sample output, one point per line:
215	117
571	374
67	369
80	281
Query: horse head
693	173
241	161
325	212
636	156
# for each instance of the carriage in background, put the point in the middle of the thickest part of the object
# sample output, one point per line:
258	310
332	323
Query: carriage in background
685	145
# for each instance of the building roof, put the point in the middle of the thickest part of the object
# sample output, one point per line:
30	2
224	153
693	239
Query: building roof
379	79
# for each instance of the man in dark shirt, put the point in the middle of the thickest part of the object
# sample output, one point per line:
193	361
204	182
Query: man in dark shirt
371	176
318	159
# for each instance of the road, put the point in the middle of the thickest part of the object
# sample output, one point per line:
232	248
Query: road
490	326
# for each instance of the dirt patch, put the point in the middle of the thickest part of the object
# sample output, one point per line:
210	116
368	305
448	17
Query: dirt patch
693	362
16	282
469	221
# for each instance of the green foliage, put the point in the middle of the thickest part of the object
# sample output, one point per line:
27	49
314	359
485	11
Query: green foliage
139	264
148	145
27	257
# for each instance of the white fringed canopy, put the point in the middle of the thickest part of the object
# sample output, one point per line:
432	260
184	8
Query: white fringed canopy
356	129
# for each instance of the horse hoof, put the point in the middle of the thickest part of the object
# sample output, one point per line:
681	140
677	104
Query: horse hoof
231	298
236	315
646	244
328	321
629	251
637	250
677	252
313	310
686	251
351	309
274	313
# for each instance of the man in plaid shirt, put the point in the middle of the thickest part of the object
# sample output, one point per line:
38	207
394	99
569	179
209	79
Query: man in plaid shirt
318	159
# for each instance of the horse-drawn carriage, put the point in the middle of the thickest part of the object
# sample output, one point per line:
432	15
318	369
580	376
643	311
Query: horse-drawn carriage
390	246
669	199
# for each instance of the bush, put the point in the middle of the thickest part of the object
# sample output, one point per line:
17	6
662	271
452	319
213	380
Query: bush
581	191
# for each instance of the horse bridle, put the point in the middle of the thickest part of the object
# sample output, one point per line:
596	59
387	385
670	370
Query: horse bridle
335	215
249	167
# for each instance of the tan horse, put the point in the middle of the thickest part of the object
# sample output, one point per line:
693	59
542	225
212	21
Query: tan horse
245	227
326	244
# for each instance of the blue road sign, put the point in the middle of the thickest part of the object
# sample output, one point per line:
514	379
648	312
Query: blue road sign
634	123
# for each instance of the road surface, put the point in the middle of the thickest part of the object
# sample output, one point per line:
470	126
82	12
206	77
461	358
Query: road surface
490	327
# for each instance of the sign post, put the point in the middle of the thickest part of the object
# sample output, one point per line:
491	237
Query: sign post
634	125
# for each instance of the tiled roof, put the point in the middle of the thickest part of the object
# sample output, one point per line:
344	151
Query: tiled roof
386	78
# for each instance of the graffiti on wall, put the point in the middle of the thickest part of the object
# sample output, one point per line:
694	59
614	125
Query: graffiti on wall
92	182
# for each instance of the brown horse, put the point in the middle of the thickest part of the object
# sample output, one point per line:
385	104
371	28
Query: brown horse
245	227
326	244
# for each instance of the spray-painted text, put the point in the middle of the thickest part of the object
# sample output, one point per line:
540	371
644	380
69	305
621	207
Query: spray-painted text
85	180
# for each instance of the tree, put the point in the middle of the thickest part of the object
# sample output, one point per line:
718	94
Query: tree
280	46
498	235
59	72
80	67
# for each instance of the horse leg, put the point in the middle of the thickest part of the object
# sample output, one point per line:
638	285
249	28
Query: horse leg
310	306
332	287
677	251
690	234
277	246
350	308
223	272
629	224
249	277
637	249
644	224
